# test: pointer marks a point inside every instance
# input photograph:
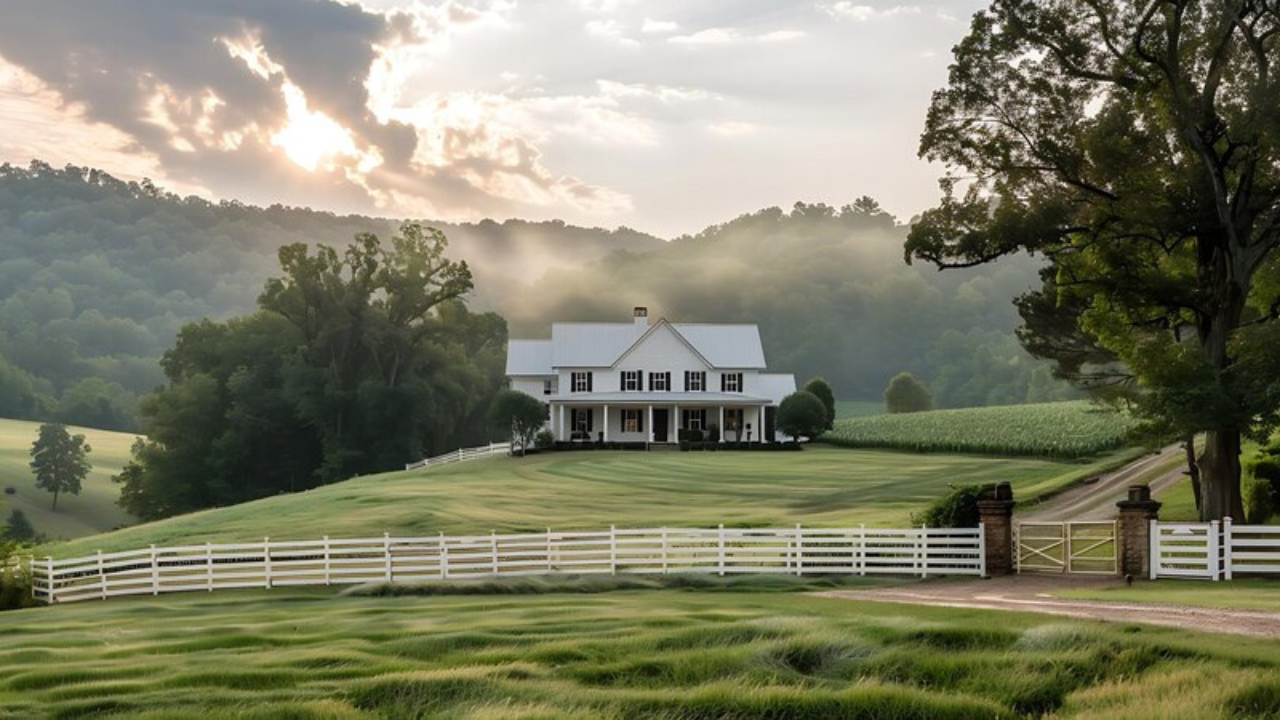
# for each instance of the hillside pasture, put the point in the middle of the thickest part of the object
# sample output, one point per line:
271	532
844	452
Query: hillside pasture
93	511
657	653
821	486
1056	430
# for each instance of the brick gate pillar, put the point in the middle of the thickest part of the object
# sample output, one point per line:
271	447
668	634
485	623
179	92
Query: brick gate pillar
996	512
1134	532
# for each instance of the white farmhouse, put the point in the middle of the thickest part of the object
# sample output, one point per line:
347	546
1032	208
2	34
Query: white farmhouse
636	382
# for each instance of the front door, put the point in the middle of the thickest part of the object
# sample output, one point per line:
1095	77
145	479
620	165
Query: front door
660	420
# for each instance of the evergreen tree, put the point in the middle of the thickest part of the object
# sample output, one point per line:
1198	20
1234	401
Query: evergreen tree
821	389
18	528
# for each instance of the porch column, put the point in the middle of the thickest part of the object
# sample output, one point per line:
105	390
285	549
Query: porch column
560	424
606	423
760	426
649	427
721	426
674	424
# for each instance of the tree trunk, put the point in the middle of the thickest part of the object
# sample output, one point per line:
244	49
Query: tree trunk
1220	465
1193	471
55	500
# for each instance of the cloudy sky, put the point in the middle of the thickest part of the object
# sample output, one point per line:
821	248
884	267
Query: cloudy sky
661	115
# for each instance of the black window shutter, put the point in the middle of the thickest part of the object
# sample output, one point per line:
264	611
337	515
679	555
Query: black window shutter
668	374
686	380
589	378
723	382
591	420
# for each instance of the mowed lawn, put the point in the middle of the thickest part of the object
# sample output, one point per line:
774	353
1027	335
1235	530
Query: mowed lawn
675	654
94	510
592	490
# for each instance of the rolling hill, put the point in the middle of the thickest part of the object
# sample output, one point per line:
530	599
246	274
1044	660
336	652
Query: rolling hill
93	511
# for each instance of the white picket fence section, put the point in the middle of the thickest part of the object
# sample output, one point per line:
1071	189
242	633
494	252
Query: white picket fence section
462	454
1213	550
800	551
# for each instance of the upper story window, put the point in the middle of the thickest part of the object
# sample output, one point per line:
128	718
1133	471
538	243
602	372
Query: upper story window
695	381
580	381
632	380
731	382
660	382
548	386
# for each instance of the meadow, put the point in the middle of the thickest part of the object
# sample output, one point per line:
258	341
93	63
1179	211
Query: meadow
1058	430
93	511
677	654
820	486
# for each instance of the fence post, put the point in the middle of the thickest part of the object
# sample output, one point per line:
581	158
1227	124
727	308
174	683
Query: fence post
52	586
862	549
266	561
155	573
1153	548
327	563
799	550
613	549
208	564
444	558
1134	536
1214	560
102	577
1227	569
982	551
549	564
1066	546
922	550
493	549
386	550
664	551
720	550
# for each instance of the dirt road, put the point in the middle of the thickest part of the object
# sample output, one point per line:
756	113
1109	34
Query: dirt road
1097	500
1030	593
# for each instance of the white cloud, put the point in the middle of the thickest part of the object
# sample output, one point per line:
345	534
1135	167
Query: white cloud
610	29
729	36
659	26
847	10
732	129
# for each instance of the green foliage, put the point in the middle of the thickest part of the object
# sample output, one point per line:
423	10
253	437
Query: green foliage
821	389
59	460
906	394
802	415
1060	430
18	528
956	509
357	362
545	439
518	414
1138	150
1262	495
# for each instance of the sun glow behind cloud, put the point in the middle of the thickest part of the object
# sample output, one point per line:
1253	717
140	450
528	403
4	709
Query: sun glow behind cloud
312	137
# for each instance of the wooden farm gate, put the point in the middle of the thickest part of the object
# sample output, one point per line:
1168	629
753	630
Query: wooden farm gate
1079	548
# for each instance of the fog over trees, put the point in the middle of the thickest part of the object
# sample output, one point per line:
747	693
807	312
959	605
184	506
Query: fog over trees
98	276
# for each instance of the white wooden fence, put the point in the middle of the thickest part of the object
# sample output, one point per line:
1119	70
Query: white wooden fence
722	551
462	454
1213	550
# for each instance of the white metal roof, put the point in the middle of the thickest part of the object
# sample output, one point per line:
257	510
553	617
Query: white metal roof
602	344
529	357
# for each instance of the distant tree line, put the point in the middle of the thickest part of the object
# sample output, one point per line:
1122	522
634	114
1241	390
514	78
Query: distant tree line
355	362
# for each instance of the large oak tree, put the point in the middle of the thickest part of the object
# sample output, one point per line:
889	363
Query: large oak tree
1135	145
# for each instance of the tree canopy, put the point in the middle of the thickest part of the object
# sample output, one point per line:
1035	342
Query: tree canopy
356	362
1136	146
802	415
906	394
518	415
821	389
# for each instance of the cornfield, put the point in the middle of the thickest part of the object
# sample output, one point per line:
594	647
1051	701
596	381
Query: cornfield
1058	430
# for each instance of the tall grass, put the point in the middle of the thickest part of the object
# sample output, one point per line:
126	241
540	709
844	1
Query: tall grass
622	654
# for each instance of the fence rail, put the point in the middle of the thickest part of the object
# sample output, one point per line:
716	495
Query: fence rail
1082	547
461	455
330	561
1213	550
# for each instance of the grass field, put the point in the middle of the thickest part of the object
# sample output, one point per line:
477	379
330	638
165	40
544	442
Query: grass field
858	408
94	510
586	490
667	654
1064	430
1235	595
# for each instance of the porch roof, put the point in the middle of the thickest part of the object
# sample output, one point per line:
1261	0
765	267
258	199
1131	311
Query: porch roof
658	398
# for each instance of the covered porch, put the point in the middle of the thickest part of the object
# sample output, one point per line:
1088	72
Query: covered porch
659	418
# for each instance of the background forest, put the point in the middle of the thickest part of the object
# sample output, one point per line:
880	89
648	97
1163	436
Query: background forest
98	276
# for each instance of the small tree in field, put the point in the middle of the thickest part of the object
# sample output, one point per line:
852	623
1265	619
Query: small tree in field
521	414
60	460
18	528
802	414
906	394
821	389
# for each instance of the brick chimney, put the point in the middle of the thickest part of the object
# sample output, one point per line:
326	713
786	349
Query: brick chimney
642	316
